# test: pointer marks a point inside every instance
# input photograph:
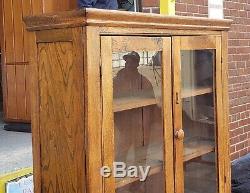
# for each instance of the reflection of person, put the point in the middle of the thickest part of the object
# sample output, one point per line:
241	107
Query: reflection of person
101	4
129	80
130	127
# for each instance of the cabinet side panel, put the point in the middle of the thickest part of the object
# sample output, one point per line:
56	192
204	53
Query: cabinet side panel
61	121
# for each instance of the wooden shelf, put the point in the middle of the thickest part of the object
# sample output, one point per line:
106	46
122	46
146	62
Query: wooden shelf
156	167
197	147
128	102
153	156
143	99
196	92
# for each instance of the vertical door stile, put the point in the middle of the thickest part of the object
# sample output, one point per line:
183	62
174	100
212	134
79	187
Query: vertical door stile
107	113
177	108
219	115
167	114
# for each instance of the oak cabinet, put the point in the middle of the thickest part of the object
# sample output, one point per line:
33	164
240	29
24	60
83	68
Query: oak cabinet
144	90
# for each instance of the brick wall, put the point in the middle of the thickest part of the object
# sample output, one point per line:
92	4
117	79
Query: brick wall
239	64
239	76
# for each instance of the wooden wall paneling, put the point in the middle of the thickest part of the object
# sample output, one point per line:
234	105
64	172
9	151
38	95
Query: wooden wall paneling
2	47
59	5
37	6
18	31
27	10
11	102
1	25
16	49
9	32
21	92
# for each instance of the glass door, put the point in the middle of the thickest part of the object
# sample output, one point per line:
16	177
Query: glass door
197	102
137	114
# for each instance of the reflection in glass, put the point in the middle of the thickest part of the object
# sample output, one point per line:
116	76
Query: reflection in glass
198	121
138	118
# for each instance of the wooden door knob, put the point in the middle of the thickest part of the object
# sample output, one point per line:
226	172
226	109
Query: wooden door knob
180	134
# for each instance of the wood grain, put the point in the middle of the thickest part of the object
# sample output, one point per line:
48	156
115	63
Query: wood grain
93	110
62	116
108	18
16	50
35	113
60	77
219	116
108	121
127	44
194	43
167	110
21	107
225	76
11	103
177	114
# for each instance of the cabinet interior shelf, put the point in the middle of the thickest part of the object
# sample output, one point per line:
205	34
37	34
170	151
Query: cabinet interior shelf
196	91
128	102
153	156
143	99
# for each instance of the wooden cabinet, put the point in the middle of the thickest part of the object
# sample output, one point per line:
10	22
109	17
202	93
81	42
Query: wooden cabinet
141	89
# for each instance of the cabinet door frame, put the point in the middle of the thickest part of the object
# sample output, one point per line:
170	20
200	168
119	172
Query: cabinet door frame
110	44
198	43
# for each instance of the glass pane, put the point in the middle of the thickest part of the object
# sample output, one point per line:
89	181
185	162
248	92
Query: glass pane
199	122
138	120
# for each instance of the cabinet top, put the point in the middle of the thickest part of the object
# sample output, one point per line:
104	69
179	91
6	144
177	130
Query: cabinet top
114	18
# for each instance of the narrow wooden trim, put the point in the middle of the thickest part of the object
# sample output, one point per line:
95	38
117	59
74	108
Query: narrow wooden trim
219	117
167	114
153	32
128	43
226	111
35	114
93	110
177	109
198	43
108	115
79	43
55	35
